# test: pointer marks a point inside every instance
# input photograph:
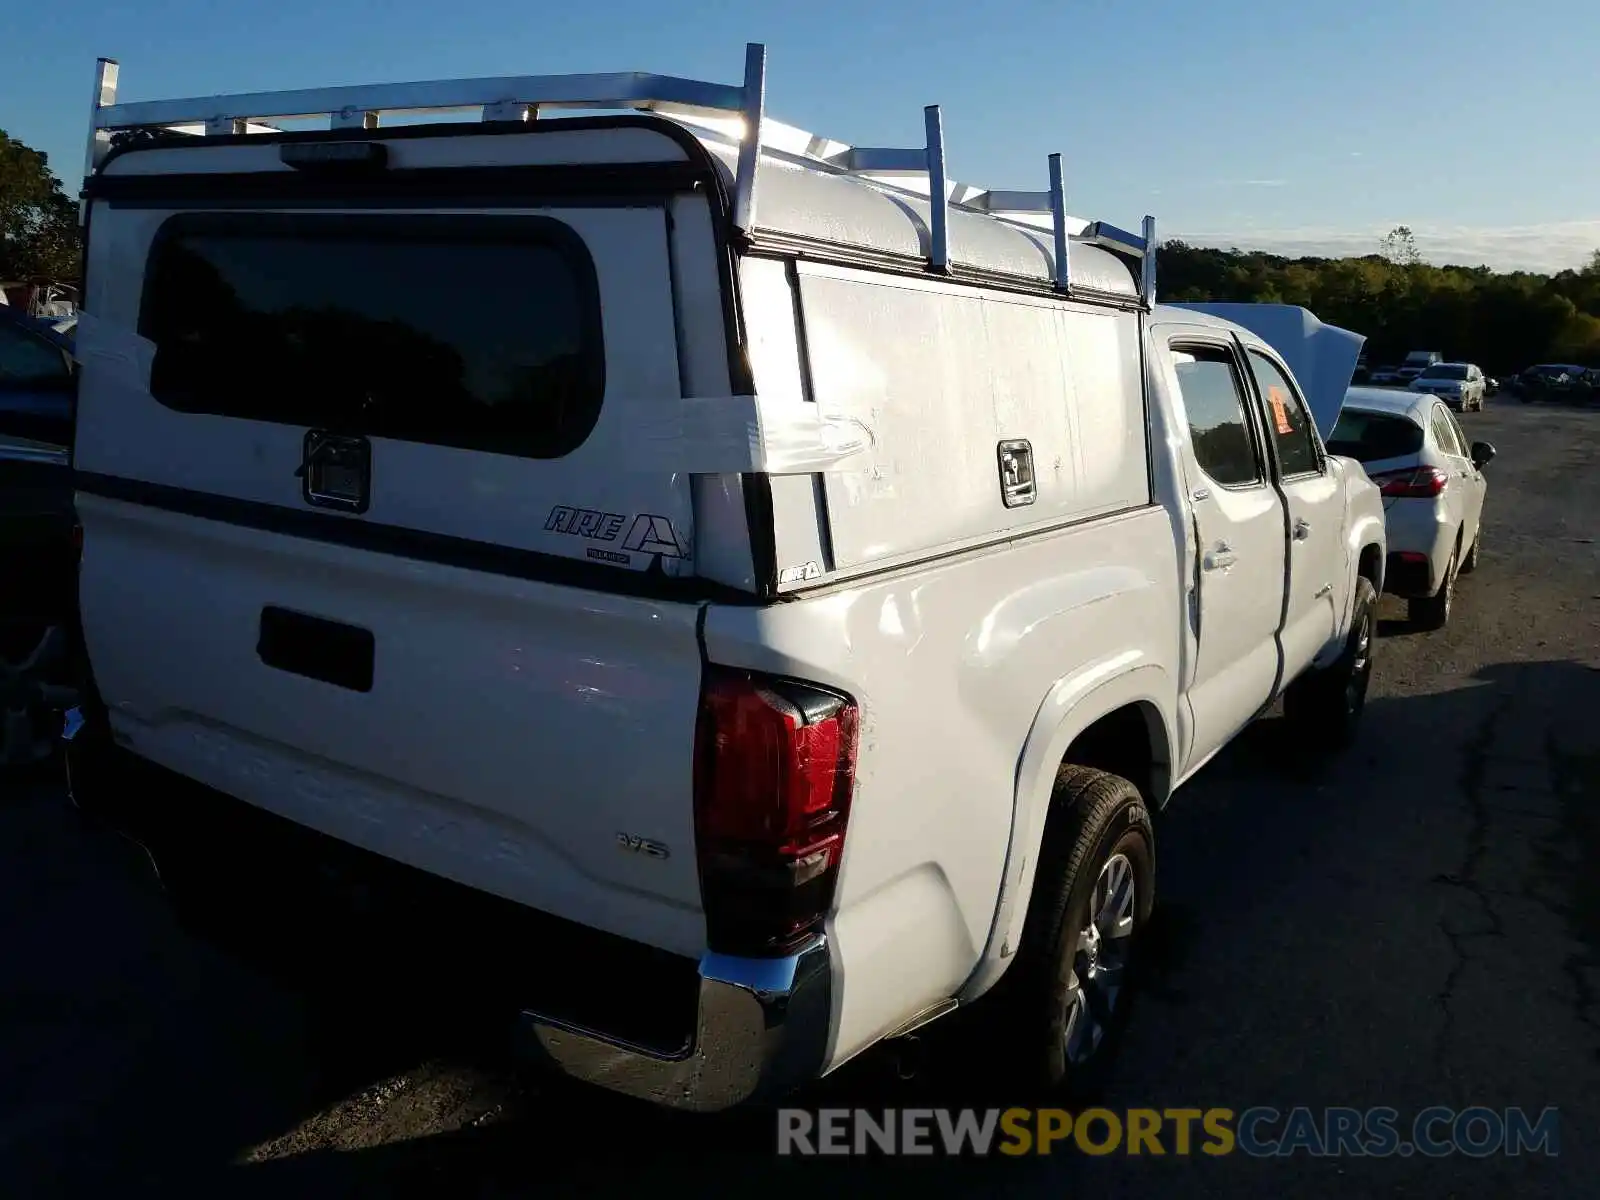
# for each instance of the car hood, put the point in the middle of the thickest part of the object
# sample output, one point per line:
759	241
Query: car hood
1322	357
1438	385
50	331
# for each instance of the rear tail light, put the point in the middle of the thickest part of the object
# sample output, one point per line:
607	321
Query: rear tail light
1420	482
77	541
775	766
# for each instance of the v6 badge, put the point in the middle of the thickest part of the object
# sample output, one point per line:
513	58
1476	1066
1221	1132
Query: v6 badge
644	846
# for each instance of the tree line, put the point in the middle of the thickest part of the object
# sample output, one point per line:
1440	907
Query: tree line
1503	322
39	236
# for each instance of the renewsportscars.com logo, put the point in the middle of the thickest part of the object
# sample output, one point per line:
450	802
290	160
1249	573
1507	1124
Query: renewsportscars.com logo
1261	1132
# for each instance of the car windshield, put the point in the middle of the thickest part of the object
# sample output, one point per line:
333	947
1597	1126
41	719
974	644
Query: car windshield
1371	436
1445	371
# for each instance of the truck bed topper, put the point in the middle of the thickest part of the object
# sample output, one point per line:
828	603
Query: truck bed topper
811	188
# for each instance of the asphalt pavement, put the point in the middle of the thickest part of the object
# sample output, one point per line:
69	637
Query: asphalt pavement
1416	923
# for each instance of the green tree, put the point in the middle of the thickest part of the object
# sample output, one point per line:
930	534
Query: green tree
39	237
1399	246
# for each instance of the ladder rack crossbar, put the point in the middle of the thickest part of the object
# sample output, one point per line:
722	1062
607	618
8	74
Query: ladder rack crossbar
1011	202
628	90
881	160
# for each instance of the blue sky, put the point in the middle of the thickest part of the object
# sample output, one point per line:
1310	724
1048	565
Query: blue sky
1304	127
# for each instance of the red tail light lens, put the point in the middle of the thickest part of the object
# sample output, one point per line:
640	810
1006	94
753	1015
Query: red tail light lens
1421	482
77	541
774	772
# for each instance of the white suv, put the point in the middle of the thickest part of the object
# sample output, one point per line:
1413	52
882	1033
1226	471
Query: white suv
1460	385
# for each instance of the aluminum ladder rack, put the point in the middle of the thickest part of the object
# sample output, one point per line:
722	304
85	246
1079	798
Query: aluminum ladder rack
523	97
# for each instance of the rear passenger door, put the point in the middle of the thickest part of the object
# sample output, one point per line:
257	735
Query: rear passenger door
1315	505
1463	495
1237	596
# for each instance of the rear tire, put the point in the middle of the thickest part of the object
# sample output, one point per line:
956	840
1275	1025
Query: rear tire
36	674
1058	1014
1323	708
1433	612
1469	564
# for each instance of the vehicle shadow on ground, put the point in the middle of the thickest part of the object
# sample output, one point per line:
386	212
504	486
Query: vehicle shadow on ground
195	1053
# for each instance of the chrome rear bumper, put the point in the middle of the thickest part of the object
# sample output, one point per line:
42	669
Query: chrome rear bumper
762	1030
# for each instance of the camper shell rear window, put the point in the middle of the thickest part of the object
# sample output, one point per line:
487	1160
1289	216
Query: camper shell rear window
477	332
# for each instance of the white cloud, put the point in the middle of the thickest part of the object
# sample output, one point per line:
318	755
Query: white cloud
1547	248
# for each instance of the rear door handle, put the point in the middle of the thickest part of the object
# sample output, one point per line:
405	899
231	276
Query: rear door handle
1219	559
1301	531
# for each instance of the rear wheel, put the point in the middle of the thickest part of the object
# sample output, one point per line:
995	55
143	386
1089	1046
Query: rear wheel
1324	707
35	677
1469	564
1433	612
1059	1012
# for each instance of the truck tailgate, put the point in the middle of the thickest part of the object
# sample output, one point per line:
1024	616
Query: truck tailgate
517	736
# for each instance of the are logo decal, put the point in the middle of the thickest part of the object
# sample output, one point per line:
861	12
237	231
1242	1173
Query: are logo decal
585	523
648	534
653	535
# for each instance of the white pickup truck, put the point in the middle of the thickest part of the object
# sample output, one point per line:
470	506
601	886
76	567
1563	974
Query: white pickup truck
795	594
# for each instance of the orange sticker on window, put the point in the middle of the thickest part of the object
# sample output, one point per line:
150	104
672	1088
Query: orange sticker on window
1280	409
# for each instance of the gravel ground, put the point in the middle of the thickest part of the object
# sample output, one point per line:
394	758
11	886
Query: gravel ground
1417	923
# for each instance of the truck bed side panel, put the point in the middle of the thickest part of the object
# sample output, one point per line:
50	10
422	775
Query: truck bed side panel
950	665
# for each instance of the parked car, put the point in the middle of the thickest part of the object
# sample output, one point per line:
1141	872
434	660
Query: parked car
1433	489
1460	385
1385	377
37	385
681	595
1416	363
1546	381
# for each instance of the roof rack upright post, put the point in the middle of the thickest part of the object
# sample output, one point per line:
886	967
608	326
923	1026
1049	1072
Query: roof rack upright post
1147	265
1058	218
105	94
938	192
755	102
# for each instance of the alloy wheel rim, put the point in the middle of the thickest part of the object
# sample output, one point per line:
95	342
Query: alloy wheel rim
1100	961
1355	691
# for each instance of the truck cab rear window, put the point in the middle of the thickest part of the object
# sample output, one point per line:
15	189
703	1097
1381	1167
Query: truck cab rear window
481	333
